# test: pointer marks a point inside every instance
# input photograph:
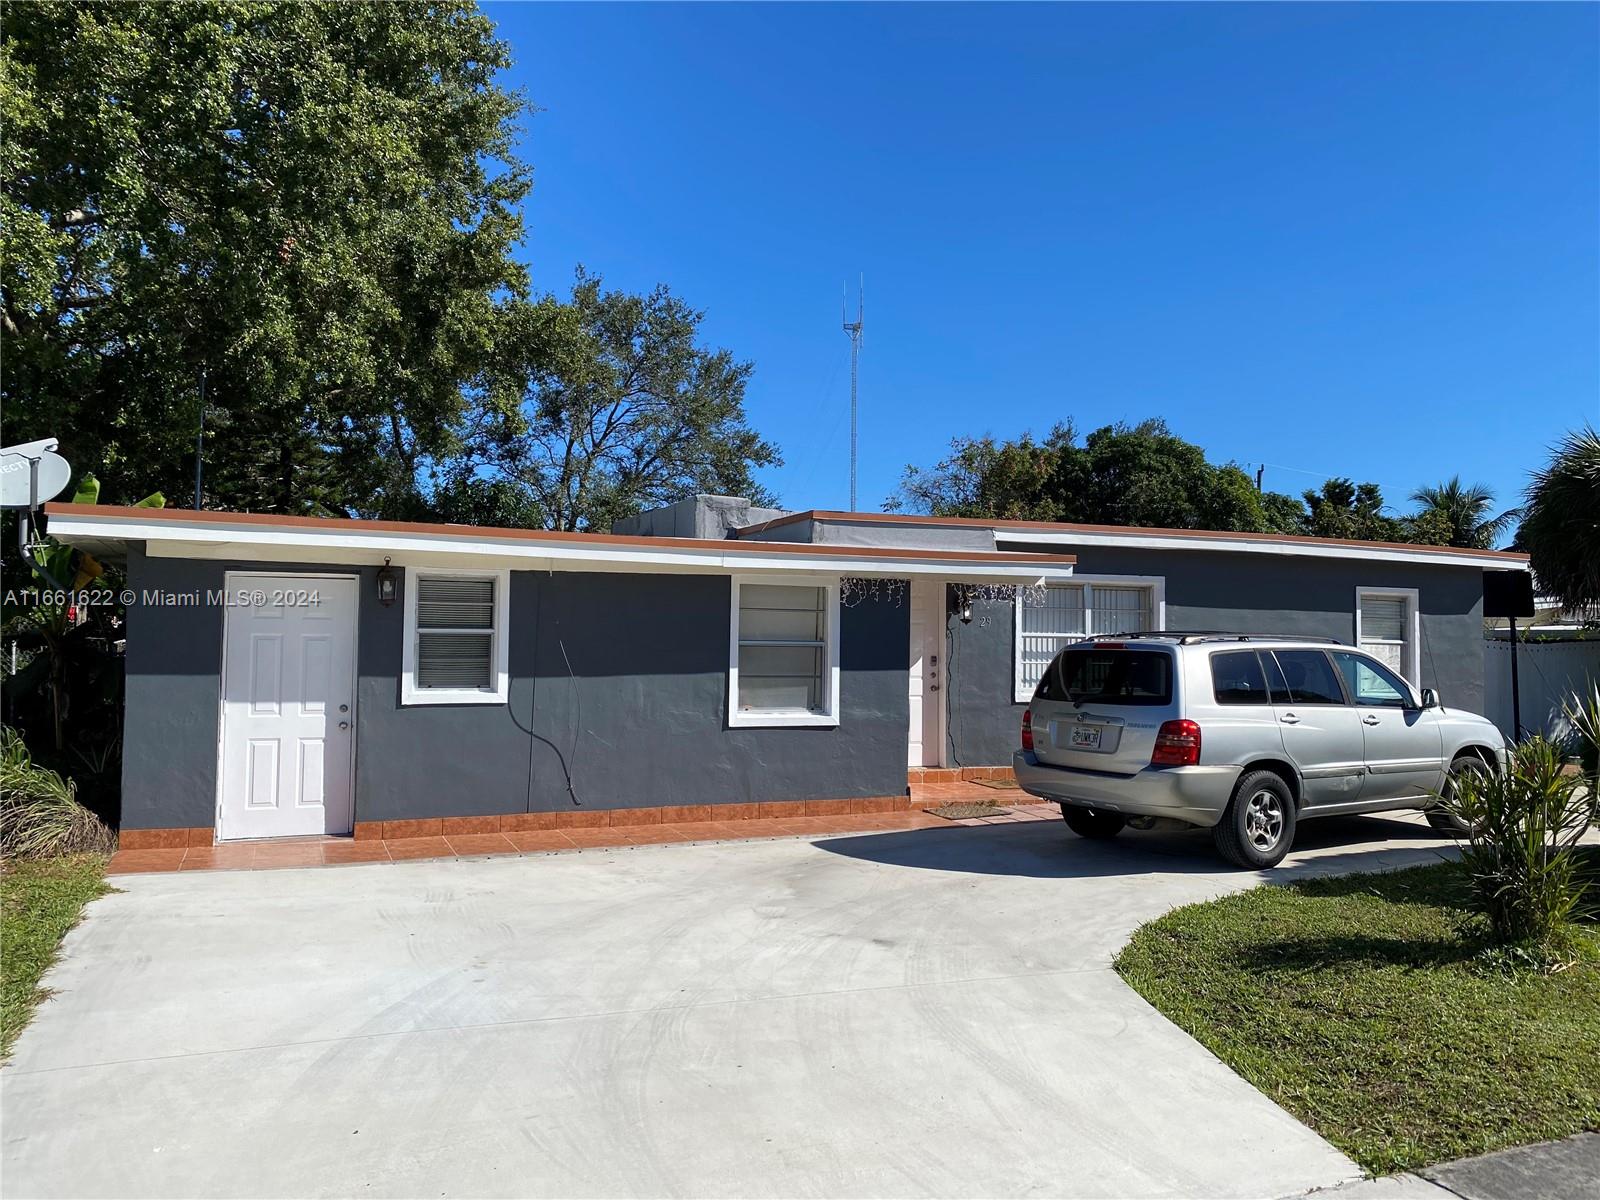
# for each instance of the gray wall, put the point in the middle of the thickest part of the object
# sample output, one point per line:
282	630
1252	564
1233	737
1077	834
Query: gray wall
1248	593
867	532
618	699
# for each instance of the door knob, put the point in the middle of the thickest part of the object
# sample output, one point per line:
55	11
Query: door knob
344	708
344	724
934	688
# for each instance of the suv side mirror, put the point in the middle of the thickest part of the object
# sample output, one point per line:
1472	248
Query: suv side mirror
1430	698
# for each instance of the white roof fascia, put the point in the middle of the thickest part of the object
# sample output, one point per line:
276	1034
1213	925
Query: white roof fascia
1134	541
167	539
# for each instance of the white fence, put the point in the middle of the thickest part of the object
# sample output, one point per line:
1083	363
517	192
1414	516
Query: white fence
1548	673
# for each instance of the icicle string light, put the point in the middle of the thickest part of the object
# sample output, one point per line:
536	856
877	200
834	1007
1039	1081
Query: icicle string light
854	591
999	593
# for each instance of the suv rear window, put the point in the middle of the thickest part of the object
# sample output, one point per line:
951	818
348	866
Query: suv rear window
1237	678
1096	676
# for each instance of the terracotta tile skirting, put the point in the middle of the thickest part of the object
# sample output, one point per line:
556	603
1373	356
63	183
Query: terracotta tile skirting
625	818
165	839
919	780
919	776
338	851
583	818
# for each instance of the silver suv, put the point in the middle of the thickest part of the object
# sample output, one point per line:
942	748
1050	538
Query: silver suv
1246	736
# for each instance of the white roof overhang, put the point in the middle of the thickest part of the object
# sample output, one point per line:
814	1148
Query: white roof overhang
361	543
1222	544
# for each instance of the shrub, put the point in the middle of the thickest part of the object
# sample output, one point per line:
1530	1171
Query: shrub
1525	823
1583	715
39	811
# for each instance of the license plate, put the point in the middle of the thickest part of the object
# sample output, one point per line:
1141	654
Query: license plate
1086	737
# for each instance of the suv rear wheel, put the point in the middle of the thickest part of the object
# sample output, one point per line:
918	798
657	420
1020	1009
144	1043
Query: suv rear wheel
1092	823
1258	828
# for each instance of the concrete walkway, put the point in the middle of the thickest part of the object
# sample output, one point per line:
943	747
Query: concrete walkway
1564	1170
913	1013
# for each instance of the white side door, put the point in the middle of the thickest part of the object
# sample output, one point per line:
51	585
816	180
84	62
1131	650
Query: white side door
288	701
925	741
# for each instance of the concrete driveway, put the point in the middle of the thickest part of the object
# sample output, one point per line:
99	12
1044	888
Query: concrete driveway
899	1014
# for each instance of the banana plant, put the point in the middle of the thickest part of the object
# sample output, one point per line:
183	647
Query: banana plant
42	620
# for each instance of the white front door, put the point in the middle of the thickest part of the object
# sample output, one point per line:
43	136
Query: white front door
926	737
288	706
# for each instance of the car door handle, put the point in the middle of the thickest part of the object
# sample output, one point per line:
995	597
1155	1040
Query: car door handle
1370	720
1289	719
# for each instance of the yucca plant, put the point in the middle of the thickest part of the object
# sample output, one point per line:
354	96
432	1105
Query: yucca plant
1583	714
39	811
1524	823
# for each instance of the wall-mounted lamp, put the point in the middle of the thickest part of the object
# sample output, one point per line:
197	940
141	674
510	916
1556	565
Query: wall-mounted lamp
961	603
388	584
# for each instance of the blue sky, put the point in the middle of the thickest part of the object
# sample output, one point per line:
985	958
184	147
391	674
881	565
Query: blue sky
1357	240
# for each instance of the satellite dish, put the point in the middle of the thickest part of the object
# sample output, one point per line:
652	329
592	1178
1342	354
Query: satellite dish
21	486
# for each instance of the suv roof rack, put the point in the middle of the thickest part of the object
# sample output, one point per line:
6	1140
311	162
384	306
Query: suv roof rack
1186	637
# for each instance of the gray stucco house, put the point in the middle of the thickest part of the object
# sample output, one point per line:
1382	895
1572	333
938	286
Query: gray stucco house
298	676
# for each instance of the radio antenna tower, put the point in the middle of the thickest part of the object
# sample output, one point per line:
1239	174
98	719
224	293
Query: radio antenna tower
853	330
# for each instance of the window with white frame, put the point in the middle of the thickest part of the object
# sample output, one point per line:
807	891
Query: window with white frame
1387	629
783	654
1072	611
455	630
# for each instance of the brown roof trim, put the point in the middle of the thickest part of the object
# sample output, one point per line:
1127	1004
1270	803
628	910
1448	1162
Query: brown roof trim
1291	539
181	516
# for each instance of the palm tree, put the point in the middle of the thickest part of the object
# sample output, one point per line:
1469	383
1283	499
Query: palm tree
1464	510
1561	522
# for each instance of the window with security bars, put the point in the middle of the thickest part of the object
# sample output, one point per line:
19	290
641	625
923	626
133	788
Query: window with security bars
1386	630
455	632
1069	613
783	649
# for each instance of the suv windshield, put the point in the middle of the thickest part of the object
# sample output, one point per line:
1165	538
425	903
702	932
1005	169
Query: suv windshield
1094	675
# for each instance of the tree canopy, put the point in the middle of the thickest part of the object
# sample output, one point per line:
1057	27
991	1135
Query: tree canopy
1561	522
318	208
1465	513
1144	474
617	408
313	204
1140	474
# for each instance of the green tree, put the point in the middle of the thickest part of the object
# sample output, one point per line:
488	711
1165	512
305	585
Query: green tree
1284	514
984	478
1462	512
1561	522
1118	475
1343	509
617	408
315	204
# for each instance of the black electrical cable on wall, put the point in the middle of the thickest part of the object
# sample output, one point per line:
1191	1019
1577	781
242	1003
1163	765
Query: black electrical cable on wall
533	689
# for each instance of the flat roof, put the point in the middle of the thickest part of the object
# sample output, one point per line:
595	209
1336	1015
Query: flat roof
1155	537
186	533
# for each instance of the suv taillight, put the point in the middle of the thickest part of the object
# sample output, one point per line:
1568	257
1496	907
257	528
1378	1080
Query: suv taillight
1177	745
1027	729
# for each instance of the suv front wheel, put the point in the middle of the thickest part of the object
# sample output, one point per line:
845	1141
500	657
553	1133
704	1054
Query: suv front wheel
1258	828
1443	816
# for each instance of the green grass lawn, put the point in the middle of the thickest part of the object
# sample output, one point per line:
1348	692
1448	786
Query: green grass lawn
39	902
1361	1006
